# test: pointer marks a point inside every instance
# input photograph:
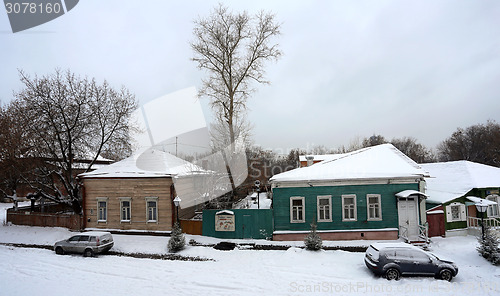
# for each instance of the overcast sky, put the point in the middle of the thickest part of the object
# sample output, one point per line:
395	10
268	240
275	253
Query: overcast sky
350	69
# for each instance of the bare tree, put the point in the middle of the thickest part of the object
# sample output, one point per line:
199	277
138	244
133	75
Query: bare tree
479	143
416	151
16	147
232	48
71	118
373	141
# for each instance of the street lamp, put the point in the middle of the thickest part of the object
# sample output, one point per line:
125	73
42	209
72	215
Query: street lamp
481	208
177	203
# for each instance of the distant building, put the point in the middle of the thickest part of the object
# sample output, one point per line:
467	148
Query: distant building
450	211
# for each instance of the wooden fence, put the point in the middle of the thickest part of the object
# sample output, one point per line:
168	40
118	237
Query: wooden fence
24	216
192	226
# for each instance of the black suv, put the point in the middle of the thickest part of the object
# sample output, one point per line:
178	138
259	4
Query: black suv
392	260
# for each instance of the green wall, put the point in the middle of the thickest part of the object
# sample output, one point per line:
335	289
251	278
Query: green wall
249	223
281	205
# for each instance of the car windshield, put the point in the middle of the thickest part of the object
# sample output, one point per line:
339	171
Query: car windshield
433	256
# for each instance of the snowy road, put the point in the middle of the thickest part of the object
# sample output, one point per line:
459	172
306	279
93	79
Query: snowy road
27	271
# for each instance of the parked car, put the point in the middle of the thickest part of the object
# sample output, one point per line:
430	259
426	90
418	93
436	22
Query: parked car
86	243
392	260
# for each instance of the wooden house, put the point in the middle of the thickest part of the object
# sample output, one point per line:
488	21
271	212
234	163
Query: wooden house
137	193
450	210
371	193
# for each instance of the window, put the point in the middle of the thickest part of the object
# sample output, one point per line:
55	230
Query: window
102	209
455	212
349	212
152	209
125	209
324	208
297	209
493	209
84	238
74	239
374	207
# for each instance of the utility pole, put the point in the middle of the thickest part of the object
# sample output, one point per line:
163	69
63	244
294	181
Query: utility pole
175	146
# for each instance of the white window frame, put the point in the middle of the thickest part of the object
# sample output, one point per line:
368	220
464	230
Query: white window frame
379	204
99	200
344	197
129	200
301	198
329	198
148	200
462	216
493	210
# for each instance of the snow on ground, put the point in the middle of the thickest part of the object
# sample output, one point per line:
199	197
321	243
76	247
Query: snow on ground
250	202
25	271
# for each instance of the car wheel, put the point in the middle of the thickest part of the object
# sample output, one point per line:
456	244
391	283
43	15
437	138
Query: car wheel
446	275
392	274
59	251
88	253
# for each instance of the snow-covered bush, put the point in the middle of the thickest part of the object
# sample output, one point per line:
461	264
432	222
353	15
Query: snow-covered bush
177	240
313	241
488	248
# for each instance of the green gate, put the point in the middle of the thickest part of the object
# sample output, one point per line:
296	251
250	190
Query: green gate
238	223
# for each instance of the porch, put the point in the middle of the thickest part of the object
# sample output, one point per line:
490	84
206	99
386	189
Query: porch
474	225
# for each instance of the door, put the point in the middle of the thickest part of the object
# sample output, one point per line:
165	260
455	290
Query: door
408	217
247	226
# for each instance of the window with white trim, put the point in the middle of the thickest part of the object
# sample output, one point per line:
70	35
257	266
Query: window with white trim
152	209
324	203
349	211
125	205
297	209
493	209
455	212
102	209
374	207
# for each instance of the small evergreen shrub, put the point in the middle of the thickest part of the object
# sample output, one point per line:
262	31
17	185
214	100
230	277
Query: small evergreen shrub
177	240
488	248
313	241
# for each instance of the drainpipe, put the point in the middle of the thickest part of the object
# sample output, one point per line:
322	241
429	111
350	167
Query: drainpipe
172	207
84	207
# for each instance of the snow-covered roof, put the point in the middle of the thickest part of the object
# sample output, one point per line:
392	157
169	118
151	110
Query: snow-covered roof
455	178
376	162
146	163
481	201
407	193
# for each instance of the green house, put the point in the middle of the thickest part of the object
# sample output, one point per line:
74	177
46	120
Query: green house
371	193
451	210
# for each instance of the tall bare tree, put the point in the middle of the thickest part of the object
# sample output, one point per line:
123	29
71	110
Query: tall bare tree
70	118
232	48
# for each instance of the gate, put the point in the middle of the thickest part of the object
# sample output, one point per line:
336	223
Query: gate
238	223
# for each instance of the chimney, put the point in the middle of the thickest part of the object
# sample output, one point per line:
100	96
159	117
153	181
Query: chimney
310	160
